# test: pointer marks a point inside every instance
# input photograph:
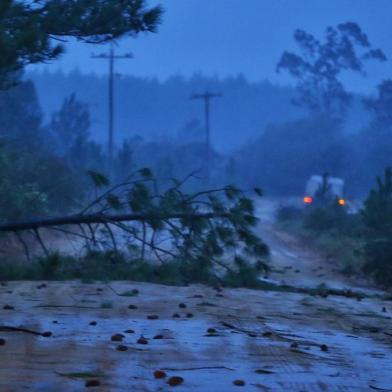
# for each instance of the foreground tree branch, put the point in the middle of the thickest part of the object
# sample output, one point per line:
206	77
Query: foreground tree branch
28	29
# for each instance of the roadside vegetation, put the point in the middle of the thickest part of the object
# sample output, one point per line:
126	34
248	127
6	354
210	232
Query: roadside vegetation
142	229
112	266
359	244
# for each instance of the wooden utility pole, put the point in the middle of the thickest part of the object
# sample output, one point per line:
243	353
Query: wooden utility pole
111	57
207	97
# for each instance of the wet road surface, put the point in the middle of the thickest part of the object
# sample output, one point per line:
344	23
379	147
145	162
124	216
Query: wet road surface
271	341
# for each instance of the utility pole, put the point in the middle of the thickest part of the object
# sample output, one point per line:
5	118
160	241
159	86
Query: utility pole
111	57
207	97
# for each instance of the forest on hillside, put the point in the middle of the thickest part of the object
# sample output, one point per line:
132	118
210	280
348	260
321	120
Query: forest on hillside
152	109
258	132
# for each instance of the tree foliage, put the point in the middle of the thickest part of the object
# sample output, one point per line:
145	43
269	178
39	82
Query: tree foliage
284	156
377	216
31	32
34	179
381	106
21	117
70	134
204	227
71	123
35	184
320	63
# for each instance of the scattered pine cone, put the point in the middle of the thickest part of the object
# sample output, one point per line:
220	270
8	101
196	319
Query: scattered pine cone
175	381
117	338
142	340
92	383
159	374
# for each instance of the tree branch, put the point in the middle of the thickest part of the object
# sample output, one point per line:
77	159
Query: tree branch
101	219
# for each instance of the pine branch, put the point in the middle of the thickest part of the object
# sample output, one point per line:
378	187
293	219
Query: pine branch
101	219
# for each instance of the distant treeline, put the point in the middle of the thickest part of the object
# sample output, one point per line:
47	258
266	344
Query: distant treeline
153	109
273	144
284	156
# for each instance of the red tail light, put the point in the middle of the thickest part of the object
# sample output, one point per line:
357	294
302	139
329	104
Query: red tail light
308	200
342	202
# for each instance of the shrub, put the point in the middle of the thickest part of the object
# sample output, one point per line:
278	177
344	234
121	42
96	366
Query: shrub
50	265
327	217
377	217
378	255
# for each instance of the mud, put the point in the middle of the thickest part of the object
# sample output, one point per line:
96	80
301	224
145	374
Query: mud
272	341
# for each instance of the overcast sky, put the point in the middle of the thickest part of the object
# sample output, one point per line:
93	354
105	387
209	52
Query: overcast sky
228	37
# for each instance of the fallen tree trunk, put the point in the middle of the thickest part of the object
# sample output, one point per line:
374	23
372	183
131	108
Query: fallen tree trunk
100	219
135	218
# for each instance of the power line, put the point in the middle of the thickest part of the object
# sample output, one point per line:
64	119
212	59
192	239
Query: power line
207	97
112	57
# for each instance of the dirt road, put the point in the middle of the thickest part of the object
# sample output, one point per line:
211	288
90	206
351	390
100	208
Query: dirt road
296	264
213	340
273	341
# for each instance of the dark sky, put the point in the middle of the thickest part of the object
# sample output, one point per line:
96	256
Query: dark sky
227	37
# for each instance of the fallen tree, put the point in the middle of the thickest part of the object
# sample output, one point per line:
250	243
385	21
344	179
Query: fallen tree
212	227
99	219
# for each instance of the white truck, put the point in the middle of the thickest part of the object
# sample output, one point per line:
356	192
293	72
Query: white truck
326	187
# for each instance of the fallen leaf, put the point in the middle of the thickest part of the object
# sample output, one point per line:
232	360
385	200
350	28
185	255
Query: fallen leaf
174	381
159	374
92	383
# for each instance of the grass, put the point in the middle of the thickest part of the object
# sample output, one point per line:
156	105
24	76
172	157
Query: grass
99	266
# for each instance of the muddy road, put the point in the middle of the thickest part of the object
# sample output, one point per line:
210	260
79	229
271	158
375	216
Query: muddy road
116	336
295	264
